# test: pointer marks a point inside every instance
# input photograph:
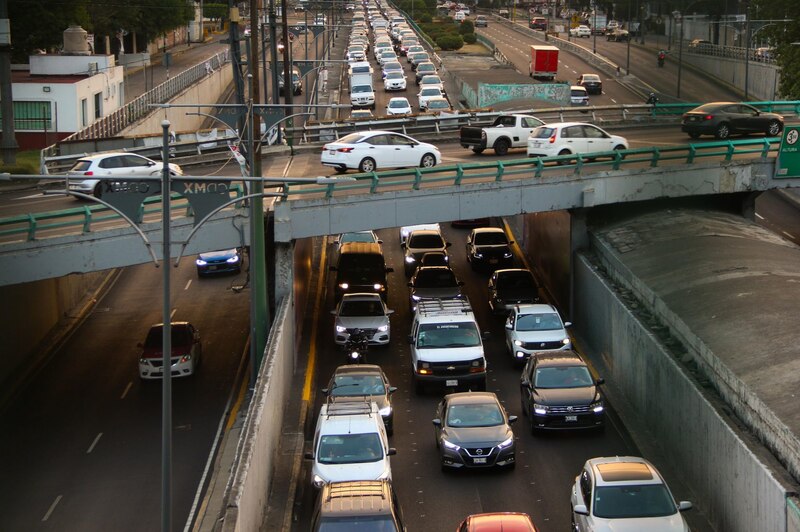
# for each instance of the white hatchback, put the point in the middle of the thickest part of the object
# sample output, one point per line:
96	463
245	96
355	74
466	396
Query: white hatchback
92	167
572	138
368	151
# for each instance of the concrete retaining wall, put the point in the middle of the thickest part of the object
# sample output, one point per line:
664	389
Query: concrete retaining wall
258	446
724	467
762	78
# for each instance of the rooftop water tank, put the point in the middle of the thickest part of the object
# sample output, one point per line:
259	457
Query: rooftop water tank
76	41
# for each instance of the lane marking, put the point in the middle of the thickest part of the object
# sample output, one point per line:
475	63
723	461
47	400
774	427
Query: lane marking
788	234
172	314
760	217
127	389
91	447
188	284
312	348
613	100
52	507
237	405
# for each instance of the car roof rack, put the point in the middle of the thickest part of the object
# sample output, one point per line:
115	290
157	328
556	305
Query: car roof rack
349	408
444	307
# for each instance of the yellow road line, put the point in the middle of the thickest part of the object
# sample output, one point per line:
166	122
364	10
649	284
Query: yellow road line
312	347
239	400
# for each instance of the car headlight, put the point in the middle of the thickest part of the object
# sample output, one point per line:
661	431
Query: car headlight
410	259
597	407
340	329
518	343
200	262
186	358
377	286
507	255
478	255
450	445
233	260
506	443
415	297
143	361
540	409
385	411
383	328
318	481
344	286
565	341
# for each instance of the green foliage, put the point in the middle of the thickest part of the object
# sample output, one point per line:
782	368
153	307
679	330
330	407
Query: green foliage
465	27
27	162
470	38
783	35
215	11
426	19
450	42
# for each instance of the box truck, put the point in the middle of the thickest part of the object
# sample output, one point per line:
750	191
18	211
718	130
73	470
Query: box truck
544	61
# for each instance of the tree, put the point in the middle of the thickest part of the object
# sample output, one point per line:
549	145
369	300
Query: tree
783	35
215	11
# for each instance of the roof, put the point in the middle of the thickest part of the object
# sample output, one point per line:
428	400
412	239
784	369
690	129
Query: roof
505	521
535	308
463	398
350	498
24	76
558	358
361	247
628	469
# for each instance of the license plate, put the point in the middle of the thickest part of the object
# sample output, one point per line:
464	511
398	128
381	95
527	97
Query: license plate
212	268
571	418
537	144
451	382
481	460
332	152
492	261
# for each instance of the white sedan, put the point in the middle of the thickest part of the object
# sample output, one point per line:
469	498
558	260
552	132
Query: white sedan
85	173
395	80
581	31
570	138
398	106
368	151
427	94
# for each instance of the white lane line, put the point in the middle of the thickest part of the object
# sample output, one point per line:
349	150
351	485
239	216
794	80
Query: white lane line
788	234
172	314
613	100
52	507
760	217
91	447
127	389
188	284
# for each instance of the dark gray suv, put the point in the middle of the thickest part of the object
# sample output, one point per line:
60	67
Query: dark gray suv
358	505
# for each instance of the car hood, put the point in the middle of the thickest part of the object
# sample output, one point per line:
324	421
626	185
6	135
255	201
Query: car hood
441	292
541	336
672	523
361	471
477	436
226	254
565	396
362	322
177	351
449	354
516	294
494	248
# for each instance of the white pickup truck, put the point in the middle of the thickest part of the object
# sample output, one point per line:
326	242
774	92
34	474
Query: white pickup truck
507	131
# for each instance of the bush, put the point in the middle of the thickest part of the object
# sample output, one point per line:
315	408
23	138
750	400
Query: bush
426	19
470	38
450	42
466	27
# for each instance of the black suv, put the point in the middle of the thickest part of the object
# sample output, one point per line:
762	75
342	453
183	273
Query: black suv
510	287
489	248
420	242
358	504
559	392
361	268
434	282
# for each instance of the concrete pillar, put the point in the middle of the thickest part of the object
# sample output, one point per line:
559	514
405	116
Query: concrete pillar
578	240
749	205
284	269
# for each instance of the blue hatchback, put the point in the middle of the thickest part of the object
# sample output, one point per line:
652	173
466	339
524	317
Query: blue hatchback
224	261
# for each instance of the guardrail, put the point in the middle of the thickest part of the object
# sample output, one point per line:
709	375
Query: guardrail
31	225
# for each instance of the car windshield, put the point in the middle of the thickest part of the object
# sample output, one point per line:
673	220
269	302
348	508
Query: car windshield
563	377
627	502
438	104
490	239
181	337
398	104
347	385
359	264
447	335
433	240
431	80
357	523
518	280
393	66
591	77
360	88
349	448
360	307
395	74
435	278
474	415
434	259
578	92
426	68
542	133
539	322
360	236
430	91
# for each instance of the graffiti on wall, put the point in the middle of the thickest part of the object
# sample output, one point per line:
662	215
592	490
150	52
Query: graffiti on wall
490	93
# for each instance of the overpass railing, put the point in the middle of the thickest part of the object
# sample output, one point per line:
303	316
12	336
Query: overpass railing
36	225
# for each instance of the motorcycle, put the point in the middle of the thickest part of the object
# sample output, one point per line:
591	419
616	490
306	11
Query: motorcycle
661	58
652	99
356	347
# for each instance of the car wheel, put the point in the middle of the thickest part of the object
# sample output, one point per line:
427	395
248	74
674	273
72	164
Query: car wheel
563	152
774	128
501	146
98	190
694	135
723	131
366	165
477	151
428	161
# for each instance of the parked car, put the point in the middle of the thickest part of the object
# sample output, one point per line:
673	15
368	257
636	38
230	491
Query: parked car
110	164
624	492
591	82
580	31
398	106
473	430
572	138
723	119
510	287
355	382
224	261
497	522
557	391
418	243
185	356
368	151
489	248
433	282
535	328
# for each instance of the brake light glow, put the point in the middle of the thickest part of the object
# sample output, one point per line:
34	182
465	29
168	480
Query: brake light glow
552	138
708	117
88	173
345	150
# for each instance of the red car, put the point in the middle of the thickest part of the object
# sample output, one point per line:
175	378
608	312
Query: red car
498	522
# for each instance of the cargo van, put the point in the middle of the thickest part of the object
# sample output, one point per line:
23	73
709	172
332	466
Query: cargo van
361	267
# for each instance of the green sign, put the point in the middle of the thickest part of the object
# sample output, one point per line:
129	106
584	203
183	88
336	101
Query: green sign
788	164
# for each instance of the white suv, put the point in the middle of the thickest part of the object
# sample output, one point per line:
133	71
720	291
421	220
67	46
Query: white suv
350	443
534	328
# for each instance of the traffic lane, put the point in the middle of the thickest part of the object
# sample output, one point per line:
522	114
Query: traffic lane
777	212
515	46
431	499
86	431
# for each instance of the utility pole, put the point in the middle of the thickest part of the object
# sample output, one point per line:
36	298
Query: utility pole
9	141
236	59
288	81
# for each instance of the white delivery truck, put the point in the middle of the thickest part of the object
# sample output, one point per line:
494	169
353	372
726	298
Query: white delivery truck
362	93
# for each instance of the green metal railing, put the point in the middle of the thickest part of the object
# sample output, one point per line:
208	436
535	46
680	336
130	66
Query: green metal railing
85	217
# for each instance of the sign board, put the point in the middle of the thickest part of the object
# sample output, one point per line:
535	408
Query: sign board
788	163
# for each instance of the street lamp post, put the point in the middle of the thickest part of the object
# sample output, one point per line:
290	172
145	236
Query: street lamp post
746	49
680	56
594	31
166	341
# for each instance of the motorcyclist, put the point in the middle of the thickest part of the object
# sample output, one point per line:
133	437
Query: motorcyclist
356	346
662	55
652	99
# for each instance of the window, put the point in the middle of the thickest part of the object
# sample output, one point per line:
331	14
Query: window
32	116
84	112
586	489
98	105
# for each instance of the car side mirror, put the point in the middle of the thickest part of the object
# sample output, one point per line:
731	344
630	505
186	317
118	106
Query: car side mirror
526	384
324	390
684	505
512	419
486	335
567	324
509	325
380	241
448	244
335	242
510	242
600	381
461	283
151	163
309	455
391	451
580	509
392	389
403	245
437	422
389	311
410	285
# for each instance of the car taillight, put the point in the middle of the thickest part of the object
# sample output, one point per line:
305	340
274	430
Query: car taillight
88	173
708	117
345	150
552	138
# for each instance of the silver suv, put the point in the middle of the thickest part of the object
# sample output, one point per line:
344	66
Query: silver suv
536	327
363	311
